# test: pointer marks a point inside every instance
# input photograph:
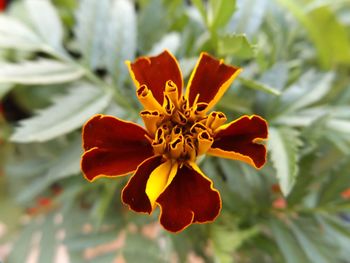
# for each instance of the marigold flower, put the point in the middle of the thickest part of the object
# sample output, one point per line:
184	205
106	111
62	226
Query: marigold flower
178	130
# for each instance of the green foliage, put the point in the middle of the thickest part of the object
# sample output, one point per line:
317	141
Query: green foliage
39	72
66	114
62	61
283	147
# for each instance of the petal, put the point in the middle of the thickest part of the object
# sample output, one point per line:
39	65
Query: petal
134	193
112	147
154	72
209	80
159	179
190	198
237	140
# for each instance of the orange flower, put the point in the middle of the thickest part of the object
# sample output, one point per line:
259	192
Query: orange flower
346	194
178	130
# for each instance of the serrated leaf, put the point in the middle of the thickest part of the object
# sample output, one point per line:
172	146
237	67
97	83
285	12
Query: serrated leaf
302	118
66	114
14	34
90	30
39	72
283	146
46	21
120	41
236	45
259	86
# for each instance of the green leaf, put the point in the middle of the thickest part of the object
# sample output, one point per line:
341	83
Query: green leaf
248	17
39	72
141	249
287	243
235	45
310	89
170	41
318	21
81	242
249	83
68	162
311	241
23	244
120	41
66	114
220	12
199	4
33	189
4	89
338	231
336	183
283	146
152	25
302	118
14	34
46	21
48	241
91	29
226	240
276	76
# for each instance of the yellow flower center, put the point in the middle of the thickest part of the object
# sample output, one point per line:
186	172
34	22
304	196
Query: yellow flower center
178	131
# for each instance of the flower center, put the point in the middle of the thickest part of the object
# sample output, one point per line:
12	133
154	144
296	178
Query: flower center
180	131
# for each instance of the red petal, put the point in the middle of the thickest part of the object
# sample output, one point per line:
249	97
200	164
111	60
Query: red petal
113	147
154	72
210	79
2	5
236	140
190	198
134	194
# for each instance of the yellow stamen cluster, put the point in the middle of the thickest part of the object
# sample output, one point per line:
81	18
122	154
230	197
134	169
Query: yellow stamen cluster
178	131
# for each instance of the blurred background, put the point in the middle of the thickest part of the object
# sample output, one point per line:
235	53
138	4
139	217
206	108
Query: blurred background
62	61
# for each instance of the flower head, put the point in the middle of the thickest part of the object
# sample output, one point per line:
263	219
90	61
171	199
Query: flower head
179	128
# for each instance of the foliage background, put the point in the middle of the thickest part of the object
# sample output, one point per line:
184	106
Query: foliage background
62	61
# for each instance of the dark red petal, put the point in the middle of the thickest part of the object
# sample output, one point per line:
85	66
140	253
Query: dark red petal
113	147
2	5
190	198
154	72
105	131
134	194
237	140
210	79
